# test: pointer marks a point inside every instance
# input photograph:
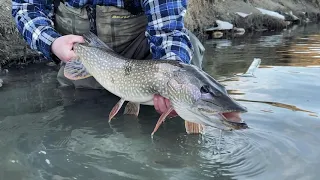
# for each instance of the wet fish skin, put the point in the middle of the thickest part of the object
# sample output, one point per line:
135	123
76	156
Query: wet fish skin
194	95
134	80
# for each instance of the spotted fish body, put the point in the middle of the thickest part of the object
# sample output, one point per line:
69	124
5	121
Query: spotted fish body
133	80
137	81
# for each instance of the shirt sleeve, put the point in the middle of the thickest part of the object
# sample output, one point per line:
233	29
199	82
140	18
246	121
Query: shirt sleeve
34	21
165	31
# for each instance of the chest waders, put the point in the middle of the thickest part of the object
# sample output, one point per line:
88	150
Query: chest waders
121	29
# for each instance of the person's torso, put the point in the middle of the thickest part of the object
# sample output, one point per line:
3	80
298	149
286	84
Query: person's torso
121	28
117	3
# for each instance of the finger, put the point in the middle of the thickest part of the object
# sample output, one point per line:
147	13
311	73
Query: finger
155	102
72	55
69	54
162	104
76	38
167	102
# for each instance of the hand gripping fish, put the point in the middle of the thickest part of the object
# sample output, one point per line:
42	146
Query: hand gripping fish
196	97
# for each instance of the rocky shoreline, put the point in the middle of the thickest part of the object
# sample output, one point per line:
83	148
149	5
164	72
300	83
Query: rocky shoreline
13	48
250	15
201	18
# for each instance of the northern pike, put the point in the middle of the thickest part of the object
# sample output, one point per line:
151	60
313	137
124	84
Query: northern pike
195	96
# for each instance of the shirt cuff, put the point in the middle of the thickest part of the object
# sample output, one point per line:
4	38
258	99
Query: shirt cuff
46	38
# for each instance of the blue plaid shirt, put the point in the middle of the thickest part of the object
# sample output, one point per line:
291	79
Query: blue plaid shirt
165	30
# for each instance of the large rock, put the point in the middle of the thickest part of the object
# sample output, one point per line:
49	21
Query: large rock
12	47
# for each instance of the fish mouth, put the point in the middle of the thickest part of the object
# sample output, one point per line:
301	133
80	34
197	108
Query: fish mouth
228	118
233	119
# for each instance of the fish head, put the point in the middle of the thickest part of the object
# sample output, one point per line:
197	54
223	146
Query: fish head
199	98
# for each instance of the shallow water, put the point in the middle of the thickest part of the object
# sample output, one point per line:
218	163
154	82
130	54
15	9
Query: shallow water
58	134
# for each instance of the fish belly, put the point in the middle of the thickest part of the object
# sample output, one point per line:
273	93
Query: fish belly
133	88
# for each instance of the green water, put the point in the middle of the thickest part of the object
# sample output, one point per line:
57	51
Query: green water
60	134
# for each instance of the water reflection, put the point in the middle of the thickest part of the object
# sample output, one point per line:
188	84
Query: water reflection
287	106
302	52
283	116
53	133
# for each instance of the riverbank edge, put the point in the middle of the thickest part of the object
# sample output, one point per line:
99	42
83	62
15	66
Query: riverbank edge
200	16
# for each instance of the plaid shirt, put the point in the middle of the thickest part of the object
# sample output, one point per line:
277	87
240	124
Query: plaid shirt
165	30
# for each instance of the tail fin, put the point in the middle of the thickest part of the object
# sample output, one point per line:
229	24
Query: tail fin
94	41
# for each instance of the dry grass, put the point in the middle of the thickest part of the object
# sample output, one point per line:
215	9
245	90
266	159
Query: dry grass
12	47
200	14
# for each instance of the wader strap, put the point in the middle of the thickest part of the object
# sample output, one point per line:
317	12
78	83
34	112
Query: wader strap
55	5
91	10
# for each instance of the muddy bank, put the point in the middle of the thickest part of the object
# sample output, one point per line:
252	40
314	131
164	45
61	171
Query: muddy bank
201	15
13	48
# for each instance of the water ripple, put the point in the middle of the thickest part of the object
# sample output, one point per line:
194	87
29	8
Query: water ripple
76	142
233	156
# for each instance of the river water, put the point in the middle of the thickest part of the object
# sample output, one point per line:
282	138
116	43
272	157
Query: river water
56	133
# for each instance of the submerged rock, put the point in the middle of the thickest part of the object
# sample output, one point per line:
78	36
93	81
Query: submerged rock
238	31
221	25
222	28
1	82
217	34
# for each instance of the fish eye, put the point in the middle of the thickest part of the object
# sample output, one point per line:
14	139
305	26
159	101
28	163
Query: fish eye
204	89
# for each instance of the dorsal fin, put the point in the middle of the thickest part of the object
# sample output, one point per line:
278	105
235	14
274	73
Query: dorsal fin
94	41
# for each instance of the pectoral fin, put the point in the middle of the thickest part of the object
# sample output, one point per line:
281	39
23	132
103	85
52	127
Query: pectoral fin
75	70
115	109
161	120
132	109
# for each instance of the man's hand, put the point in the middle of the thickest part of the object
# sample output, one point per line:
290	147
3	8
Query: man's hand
62	46
162	104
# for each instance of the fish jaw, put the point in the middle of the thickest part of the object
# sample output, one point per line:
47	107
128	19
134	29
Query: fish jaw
215	115
233	120
196	117
224	121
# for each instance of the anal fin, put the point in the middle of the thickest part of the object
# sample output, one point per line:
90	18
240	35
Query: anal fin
132	109
193	128
75	70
